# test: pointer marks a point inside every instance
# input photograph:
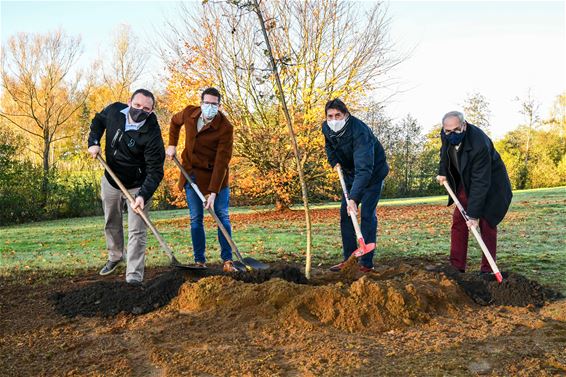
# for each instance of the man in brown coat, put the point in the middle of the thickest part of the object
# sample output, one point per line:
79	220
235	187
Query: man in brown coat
209	139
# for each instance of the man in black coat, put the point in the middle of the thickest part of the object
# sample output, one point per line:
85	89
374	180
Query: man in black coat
350	143
475	172
135	153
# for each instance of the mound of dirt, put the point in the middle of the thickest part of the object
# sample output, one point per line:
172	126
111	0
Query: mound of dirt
515	290
107	299
289	273
366	305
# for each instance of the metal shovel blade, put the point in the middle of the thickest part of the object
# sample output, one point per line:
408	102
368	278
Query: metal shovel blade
255	264
364	250
239	266
175	263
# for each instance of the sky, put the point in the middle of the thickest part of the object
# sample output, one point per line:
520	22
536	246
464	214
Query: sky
455	48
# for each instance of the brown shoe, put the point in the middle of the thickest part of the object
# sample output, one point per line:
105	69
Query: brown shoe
200	265
229	266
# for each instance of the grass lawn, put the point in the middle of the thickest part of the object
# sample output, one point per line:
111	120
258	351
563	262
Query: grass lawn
532	238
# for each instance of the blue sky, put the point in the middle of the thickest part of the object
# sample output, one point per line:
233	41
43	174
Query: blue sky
500	49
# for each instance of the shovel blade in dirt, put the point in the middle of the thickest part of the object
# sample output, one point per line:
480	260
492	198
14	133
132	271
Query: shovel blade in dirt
364	249
255	264
193	267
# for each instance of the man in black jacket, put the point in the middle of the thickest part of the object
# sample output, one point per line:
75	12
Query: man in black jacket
475	172
134	151
350	143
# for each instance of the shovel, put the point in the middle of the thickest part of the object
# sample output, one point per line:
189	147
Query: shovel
242	264
363	247
476	234
141	213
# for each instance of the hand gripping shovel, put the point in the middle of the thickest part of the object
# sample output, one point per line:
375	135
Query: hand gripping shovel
164	246
242	264
363	247
476	234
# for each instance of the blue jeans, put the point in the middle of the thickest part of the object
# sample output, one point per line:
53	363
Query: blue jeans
198	236
368	226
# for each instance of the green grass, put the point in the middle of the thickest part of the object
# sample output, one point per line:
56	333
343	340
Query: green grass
532	239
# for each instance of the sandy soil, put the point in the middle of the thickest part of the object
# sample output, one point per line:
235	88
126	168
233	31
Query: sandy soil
407	319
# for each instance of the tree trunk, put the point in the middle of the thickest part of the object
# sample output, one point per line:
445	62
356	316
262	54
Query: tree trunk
45	178
292	136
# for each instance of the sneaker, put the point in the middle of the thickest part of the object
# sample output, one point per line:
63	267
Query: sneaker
201	265
109	267
338	267
229	266
365	269
134	283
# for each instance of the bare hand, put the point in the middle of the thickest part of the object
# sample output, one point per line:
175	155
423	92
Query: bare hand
210	201
94	150
138	203
170	152
441	179
352	208
473	223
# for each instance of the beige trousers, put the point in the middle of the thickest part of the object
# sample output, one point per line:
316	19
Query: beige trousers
113	203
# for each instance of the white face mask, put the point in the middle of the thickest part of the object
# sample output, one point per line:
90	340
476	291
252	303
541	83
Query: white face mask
336	125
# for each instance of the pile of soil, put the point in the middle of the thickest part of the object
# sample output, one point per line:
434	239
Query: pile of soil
515	290
365	305
286	272
106	299
393	296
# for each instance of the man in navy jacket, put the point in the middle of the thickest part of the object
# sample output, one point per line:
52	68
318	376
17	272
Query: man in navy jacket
350	143
475	172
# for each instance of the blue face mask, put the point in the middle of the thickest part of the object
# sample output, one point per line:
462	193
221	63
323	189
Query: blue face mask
454	138
209	111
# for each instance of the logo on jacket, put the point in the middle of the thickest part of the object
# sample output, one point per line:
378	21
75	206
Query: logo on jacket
131	143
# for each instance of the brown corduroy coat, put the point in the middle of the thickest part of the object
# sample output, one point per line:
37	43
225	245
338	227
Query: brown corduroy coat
207	153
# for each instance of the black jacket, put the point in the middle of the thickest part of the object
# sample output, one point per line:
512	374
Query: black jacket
482	173
136	157
358	152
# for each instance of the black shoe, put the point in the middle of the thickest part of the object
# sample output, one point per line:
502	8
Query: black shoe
109	267
134	283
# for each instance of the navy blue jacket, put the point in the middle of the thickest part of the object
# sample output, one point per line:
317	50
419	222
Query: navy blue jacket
358	152
482	173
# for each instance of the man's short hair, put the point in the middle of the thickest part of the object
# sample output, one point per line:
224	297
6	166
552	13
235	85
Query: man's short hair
336	104
455	114
146	93
212	92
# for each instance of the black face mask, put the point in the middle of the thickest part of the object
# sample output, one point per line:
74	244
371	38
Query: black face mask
138	115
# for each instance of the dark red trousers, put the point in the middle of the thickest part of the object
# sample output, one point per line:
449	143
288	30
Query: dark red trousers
459	237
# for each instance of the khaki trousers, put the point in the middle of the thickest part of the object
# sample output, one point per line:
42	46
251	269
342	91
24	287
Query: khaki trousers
113	203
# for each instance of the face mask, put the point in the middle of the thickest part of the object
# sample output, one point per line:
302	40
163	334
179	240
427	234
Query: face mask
454	138
209	111
336	125
138	115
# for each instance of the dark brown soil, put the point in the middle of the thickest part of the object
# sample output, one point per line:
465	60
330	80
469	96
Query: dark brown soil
403	320
515	290
108	298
